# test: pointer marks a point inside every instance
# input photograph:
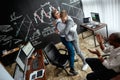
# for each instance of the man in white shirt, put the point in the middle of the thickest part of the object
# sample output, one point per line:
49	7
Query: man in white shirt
105	69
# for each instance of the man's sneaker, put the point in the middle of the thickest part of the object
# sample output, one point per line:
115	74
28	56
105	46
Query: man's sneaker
73	72
85	66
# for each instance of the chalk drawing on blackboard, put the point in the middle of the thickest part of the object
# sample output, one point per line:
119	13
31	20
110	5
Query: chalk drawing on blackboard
73	11
8	43
2	37
37	16
47	31
26	24
30	24
16	41
6	28
36	42
7	40
41	13
57	5
17	32
36	37
35	34
13	17
73	1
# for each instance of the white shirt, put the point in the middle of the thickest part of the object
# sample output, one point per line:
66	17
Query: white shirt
60	26
113	62
74	27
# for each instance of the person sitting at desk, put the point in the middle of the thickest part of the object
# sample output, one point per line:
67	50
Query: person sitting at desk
105	68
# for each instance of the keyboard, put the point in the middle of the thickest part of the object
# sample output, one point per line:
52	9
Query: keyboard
94	23
90	25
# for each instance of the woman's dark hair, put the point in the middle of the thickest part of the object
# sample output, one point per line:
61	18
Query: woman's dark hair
53	14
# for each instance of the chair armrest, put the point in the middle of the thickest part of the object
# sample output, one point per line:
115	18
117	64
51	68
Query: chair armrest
65	51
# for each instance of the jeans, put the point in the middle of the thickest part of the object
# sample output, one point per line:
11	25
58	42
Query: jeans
70	48
78	51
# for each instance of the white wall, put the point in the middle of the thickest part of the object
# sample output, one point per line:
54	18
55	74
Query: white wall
108	10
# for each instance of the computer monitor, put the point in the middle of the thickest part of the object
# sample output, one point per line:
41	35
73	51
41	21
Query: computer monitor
21	59
95	17
24	53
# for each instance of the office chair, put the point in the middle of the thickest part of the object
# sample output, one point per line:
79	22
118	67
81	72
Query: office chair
55	57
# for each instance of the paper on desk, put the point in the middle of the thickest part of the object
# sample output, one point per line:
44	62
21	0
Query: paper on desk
33	75
89	25
37	74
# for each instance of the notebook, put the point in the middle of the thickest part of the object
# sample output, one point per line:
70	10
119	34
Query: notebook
37	74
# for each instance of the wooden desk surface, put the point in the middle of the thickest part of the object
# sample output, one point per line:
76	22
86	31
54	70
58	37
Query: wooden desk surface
40	63
101	25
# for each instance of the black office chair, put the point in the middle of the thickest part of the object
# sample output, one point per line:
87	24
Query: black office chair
55	57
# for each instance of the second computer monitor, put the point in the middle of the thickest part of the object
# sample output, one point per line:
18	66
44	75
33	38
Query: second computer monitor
95	17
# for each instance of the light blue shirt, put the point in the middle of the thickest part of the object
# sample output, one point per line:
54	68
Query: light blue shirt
60	26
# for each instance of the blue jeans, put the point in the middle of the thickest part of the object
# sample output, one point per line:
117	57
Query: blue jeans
70	48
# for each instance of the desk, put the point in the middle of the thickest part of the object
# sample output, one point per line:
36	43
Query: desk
8	57
10	52
40	65
98	27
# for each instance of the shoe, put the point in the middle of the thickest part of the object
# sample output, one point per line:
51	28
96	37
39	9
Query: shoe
73	72
85	66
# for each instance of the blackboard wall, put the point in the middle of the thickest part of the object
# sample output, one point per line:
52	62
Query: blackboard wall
30	20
